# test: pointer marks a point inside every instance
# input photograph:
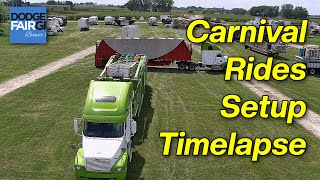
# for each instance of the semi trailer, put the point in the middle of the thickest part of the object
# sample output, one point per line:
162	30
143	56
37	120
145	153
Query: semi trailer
123	21
310	56
113	102
162	52
266	48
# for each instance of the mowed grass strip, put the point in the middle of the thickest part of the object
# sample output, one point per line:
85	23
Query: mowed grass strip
37	139
305	90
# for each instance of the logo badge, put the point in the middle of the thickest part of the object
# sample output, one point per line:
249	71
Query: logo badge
28	25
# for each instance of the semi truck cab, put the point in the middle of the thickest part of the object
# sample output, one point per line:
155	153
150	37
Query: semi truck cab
108	126
212	56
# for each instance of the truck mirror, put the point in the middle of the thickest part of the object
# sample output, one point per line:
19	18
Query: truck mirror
76	122
133	127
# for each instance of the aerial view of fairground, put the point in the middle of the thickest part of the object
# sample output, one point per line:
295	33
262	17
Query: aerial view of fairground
159	89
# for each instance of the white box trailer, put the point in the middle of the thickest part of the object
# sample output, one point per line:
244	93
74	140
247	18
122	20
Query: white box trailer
153	21
109	20
83	24
51	26
93	20
131	31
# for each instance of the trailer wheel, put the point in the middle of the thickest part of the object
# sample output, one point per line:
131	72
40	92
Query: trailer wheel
182	66
312	71
192	67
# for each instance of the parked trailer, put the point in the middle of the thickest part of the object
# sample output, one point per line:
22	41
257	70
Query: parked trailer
310	56
93	20
179	22
266	48
109	20
153	21
83	24
123	21
131	31
160	51
51	27
112	105
64	20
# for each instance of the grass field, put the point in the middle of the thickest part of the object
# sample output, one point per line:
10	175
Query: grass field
37	139
315	40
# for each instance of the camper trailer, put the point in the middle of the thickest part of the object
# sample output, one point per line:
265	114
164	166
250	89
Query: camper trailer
93	20
109	20
83	24
52	26
153	21
131	31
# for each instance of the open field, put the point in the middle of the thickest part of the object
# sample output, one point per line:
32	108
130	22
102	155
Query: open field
38	141
37	135
314	40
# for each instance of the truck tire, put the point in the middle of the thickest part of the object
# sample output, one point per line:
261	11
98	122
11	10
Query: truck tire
182	66
312	71
192	67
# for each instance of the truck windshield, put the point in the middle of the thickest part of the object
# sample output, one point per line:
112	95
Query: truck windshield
103	130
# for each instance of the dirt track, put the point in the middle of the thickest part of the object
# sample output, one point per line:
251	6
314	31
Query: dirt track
311	120
295	46
20	81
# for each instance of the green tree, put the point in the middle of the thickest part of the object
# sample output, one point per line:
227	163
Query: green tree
51	2
238	11
162	5
264	11
300	12
4	12
138	5
287	11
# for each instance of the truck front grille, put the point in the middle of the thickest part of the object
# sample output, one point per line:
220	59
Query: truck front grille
96	164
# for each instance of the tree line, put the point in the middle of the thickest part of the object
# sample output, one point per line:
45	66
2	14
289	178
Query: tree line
286	11
147	5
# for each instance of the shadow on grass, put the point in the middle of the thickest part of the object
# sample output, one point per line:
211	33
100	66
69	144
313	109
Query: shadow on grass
169	70
145	118
2	31
143	122
282	58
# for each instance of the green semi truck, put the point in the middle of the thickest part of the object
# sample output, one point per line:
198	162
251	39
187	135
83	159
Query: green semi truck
107	124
